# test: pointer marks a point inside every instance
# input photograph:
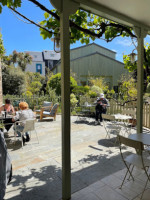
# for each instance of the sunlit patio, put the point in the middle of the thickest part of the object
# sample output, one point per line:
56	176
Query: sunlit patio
97	168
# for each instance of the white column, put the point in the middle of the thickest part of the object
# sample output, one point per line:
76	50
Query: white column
140	77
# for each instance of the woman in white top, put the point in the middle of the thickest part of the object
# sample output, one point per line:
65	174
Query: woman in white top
24	114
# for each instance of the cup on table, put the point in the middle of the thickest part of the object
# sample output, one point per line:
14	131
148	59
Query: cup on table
3	113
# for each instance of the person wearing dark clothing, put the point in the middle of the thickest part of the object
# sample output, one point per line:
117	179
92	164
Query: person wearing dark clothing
101	108
5	166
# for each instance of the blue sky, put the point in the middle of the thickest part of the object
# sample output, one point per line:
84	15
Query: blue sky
21	36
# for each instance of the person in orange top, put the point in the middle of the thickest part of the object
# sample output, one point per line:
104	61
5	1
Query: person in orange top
7	107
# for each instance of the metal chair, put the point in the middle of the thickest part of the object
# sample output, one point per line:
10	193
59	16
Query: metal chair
28	127
134	159
110	125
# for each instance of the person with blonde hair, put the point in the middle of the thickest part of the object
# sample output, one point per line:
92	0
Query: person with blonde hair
24	114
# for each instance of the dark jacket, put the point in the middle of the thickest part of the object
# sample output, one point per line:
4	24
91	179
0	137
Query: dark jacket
99	106
5	166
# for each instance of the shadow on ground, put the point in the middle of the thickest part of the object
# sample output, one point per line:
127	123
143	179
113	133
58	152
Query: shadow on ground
46	182
85	121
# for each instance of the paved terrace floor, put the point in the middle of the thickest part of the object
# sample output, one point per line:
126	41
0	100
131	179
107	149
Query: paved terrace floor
97	169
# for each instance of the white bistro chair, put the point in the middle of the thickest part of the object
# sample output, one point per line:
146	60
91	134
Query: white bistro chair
134	160
110	125
29	126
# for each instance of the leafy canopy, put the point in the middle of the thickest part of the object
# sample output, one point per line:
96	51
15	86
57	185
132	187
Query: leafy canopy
2	50
13	3
84	26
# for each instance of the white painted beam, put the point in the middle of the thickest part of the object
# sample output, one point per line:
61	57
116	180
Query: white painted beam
103	11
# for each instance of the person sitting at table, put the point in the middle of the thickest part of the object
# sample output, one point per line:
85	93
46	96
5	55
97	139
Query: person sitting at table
7	107
101	108
24	114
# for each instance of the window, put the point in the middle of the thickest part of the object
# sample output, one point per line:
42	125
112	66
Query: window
35	56
52	55
39	68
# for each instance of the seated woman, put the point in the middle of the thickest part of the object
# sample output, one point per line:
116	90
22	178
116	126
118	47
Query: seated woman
24	114
7	107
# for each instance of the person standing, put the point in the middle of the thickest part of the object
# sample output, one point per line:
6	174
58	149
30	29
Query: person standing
101	108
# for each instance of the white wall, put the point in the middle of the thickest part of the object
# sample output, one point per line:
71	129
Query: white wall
32	67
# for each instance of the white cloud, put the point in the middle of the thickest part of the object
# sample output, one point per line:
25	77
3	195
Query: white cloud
124	42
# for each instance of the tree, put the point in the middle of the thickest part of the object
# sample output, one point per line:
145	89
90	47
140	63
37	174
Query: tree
132	66
127	89
34	83
13	80
55	83
83	25
2	49
20	58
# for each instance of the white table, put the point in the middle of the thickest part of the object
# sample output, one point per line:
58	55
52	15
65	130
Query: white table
141	137
124	124
122	117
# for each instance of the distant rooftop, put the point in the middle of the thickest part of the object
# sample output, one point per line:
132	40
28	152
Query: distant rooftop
51	55
36	55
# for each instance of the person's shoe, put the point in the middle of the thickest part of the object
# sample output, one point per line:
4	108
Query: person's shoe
24	140
27	138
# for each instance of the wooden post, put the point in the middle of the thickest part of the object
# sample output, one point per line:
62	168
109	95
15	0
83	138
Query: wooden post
140	76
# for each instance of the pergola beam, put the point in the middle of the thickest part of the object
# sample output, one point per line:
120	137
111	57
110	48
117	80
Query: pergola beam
105	12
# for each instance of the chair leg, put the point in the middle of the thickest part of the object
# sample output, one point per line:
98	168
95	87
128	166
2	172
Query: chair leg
128	171
15	135
30	134
22	140
131	172
37	136
148	179
41	115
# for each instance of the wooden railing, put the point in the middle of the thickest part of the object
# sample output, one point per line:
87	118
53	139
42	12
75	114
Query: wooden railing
117	108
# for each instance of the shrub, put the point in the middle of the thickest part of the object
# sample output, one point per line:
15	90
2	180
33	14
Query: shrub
55	83
73	101
80	90
96	89
148	88
92	94
13	80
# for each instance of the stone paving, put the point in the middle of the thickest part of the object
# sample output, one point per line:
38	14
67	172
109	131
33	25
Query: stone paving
37	167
